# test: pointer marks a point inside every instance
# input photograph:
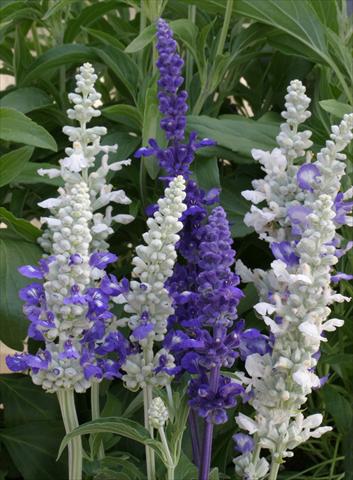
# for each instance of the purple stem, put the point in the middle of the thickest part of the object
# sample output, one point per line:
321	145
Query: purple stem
208	431
194	437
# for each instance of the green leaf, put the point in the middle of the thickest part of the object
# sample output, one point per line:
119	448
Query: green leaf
25	402
239	134
12	163
29	175
16	127
151	129
185	469
105	37
336	108
26	99
125	114
235	205
206	172
14	252
122	66
142	40
299	21
339	407
88	16
56	57
21	226
32	447
117	425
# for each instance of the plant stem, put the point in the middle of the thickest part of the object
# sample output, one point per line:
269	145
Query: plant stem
147	400
171	465
96	414
205	463
194	437
189	58
68	411
224	31
274	470
150	459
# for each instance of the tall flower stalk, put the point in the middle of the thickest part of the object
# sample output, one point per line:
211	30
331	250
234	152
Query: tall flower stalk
69	308
302	209
201	333
149	304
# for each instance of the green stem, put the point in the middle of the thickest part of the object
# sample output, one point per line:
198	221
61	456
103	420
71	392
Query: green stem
224	31
170	466
142	27
68	411
189	57
96	414
200	101
274	470
150	459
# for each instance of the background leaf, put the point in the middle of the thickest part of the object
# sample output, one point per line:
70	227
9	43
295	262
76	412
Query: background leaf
16	127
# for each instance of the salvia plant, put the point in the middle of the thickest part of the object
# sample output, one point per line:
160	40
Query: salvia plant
212	363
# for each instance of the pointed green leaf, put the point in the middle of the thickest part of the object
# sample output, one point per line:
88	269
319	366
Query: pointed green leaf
16	127
25	99
336	108
56	57
21	226
14	252
125	114
117	425
140	42
12	163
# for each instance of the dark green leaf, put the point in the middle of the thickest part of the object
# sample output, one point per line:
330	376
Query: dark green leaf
16	127
339	407
12	163
336	108
117	425
122	66
125	114
25	402
25	99
29	175
106	38
88	16
206	173
237	133
56	57
140	42
14	252
32	447
23	228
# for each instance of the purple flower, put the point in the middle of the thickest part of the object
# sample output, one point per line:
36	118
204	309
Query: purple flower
75	259
36	272
33	294
110	285
285	252
342	209
243	443
341	276
307	175
17	362
69	351
145	327
298	215
102	259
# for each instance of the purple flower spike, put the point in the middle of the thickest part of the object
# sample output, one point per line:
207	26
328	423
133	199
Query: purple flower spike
307	175
243	443
285	252
102	259
341	276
